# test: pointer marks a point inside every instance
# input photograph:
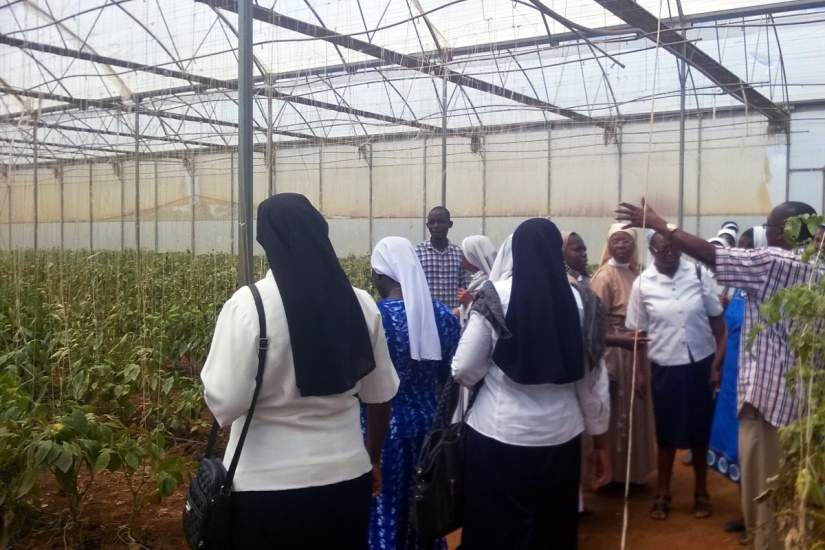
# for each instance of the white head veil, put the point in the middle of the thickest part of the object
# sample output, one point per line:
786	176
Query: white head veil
503	266
760	237
395	257
481	252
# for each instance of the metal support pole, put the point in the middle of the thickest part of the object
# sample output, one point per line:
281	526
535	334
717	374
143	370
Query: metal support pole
59	174
91	211
119	169
369	162
193	205
619	143
321	178
137	184
157	208
245	142
444	140
269	182
424	194
788	161
34	185
549	170
680	207
699	177
232	203
483	191
9	179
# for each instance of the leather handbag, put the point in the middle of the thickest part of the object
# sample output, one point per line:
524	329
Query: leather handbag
206	524
438	484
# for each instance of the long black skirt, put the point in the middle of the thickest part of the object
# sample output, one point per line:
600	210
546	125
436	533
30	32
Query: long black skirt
682	404
331	516
520	498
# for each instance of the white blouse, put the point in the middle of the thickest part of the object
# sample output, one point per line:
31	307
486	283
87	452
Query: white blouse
293	441
674	312
526	415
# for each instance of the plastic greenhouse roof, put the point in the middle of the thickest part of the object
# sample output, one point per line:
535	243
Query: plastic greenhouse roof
77	69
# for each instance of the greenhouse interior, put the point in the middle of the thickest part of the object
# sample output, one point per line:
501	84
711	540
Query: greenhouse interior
139	136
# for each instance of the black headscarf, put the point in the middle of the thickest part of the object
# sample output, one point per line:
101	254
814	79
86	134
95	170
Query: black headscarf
331	345
546	343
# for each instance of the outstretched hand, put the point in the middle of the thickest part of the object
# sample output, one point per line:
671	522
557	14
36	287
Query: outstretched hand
642	216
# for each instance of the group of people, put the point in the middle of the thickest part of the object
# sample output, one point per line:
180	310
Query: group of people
574	377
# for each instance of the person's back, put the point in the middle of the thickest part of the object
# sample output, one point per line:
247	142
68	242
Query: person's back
414	405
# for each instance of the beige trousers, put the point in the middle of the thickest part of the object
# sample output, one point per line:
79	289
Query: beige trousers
759	454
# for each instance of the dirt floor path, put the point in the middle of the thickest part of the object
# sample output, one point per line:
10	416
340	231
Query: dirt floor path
158	527
681	531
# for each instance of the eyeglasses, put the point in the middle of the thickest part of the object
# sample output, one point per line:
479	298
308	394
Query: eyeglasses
664	250
767	225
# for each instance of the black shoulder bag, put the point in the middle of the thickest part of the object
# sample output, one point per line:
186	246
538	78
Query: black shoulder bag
438	483
206	515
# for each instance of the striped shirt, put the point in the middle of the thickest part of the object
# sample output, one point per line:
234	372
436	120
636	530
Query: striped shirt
443	271
761	273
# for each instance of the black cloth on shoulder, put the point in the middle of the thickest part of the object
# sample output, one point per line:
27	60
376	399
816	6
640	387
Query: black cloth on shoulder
546	345
331	345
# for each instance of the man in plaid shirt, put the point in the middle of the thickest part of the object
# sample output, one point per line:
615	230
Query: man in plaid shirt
764	402
441	259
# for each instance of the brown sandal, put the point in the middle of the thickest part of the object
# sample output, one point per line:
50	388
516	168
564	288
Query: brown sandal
702	507
661	507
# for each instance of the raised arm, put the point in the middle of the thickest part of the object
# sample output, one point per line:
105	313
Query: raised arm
646	218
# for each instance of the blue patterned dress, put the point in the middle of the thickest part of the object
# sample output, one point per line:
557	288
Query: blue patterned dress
413	409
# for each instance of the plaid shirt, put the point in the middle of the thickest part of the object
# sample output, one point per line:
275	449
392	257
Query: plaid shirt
760	274
443	271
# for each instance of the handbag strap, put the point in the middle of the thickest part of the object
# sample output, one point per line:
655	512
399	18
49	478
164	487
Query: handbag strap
263	346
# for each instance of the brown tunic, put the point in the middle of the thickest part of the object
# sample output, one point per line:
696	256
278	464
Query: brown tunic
612	283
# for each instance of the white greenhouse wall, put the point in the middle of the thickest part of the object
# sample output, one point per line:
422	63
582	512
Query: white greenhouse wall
734	169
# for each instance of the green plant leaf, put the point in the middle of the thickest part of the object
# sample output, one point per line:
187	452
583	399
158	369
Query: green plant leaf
103	460
132	460
64	461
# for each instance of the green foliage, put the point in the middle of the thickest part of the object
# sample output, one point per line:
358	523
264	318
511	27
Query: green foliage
798	491
99	361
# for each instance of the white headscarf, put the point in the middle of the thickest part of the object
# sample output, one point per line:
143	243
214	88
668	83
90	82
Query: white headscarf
481	252
395	257
760	237
503	266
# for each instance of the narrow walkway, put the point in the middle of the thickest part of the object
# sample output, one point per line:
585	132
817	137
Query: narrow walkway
681	531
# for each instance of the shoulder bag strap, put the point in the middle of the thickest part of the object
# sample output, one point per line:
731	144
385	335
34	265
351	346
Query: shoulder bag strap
263	345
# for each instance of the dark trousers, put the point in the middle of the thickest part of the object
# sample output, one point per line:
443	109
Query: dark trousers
520	498
327	517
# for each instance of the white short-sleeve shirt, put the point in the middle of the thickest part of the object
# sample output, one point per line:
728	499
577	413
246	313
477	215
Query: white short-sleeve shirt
293	441
674	312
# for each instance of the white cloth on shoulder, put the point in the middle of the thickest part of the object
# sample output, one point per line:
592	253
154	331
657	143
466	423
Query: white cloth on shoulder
503	266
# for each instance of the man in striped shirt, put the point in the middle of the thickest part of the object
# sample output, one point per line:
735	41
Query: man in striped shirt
764	402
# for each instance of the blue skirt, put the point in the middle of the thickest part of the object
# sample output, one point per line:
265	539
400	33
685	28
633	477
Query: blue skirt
682	404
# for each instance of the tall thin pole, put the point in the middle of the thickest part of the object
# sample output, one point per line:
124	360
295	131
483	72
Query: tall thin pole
444	140
9	179
232	203
369	162
483	191
269	190
59	173
34	185
549	170
321	178
137	184
699	177
91	211
682	97
157	213
245	142
424	193
193	205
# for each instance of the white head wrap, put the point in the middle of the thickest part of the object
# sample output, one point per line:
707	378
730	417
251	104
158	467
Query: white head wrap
760	237
503	266
479	251
395	257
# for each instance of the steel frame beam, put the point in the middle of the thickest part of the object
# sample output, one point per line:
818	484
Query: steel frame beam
675	43
395	58
205	81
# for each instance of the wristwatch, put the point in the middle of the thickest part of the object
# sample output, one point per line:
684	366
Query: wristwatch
671	227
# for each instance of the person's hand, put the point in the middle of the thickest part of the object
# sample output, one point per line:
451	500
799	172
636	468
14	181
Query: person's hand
627	340
376	479
599	461
640	216
464	296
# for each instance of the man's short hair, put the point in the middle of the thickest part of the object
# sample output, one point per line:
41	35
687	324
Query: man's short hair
439	210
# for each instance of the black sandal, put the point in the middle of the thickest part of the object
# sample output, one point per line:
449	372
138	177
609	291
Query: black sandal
661	507
702	507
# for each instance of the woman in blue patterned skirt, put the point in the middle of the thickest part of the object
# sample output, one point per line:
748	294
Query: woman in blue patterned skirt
422	335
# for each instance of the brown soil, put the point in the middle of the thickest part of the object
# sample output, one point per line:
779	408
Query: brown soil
157	526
